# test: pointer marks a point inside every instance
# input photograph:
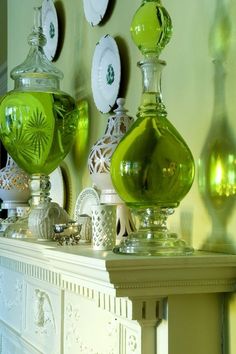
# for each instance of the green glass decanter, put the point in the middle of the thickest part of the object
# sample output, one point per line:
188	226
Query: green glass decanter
152	168
37	125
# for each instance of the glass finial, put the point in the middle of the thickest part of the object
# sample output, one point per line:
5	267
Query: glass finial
36	71
151	28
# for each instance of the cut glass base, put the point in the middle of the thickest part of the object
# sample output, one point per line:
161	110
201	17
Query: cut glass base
153	238
157	245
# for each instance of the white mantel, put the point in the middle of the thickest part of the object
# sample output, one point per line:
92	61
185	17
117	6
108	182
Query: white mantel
75	300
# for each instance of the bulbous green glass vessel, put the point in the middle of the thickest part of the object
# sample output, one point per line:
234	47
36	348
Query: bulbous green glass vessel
37	120
37	128
38	123
152	168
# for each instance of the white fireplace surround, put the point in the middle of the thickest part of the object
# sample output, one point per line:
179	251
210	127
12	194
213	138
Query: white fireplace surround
73	300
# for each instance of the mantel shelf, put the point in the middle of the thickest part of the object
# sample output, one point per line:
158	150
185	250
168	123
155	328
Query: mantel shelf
121	275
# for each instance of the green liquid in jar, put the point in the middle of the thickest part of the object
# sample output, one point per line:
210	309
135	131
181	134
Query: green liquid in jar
37	128
152	165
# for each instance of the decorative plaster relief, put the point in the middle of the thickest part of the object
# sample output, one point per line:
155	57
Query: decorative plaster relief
31	270
12	343
11	298
43	313
42	316
100	324
132	343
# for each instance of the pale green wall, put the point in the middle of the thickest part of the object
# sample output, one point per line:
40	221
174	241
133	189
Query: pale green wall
3	29
187	82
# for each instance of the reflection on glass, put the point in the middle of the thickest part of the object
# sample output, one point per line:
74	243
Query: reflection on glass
217	165
82	133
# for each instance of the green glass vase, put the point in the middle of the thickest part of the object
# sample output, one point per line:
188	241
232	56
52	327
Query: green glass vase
38	122
152	168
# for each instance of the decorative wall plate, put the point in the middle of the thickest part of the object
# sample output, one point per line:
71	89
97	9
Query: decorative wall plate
84	202
57	191
50	28
105	74
94	10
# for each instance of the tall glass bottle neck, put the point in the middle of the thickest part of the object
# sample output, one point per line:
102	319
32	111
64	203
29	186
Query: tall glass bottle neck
151	100
219	90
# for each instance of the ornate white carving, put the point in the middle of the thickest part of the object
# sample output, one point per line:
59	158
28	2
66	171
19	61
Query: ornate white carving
132	343
43	313
13	301
95	294
32	270
74	323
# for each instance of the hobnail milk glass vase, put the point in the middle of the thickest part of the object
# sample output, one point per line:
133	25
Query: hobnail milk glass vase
37	125
152	168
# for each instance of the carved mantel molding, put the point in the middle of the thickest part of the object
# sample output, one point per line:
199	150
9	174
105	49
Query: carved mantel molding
114	282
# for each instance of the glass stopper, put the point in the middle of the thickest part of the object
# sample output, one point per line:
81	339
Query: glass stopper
151	28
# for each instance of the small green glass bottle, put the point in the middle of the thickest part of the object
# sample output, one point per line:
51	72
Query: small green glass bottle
152	168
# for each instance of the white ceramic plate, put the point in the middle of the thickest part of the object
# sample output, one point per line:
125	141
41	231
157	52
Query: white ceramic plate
105	74
85	200
50	28
57	191
94	10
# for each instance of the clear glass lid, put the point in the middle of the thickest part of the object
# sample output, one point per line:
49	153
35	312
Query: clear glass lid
36	72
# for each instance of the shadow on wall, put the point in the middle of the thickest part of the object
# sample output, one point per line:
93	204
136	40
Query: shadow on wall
217	164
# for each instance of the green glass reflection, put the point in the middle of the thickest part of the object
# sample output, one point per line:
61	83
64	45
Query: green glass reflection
82	133
217	164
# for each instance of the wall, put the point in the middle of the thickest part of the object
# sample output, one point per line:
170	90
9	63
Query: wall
3	29
3	62
3	46
188	91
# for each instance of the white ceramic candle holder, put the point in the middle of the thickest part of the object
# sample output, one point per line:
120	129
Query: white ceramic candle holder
103	227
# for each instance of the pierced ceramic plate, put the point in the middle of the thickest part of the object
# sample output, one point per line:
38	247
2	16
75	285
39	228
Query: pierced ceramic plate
50	28
94	10
105	74
84	202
